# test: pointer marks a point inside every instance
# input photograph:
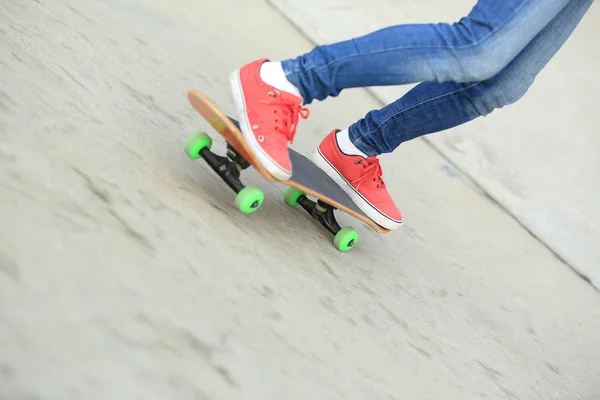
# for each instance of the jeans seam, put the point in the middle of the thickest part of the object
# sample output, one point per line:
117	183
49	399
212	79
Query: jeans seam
359	138
478	42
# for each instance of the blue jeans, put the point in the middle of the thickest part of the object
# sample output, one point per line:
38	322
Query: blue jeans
487	60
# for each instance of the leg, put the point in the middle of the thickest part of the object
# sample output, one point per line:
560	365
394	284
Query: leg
268	104
473	49
432	107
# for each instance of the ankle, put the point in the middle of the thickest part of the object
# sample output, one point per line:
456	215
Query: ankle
272	73
346	145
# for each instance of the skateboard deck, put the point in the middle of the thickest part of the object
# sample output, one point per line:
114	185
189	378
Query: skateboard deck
306	177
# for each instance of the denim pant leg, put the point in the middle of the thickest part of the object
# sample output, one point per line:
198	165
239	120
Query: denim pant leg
473	49
432	107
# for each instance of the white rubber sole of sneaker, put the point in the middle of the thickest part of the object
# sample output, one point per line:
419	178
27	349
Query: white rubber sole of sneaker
361	202
240	104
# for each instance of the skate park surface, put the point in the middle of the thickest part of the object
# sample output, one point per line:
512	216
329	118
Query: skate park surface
126	270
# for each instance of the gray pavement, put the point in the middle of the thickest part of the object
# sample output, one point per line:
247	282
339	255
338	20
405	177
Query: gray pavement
126	271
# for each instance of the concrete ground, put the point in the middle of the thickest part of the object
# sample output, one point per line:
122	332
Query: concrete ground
126	271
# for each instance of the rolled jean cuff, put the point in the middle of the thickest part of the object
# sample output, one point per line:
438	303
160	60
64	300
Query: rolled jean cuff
358	139
291	73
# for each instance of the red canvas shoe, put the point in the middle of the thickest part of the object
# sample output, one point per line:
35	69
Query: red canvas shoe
360	178
268	118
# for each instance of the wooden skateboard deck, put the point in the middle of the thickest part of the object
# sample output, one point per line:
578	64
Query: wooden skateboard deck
307	177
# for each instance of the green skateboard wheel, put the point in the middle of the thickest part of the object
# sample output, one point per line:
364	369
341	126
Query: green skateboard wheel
195	144
345	239
249	199
291	196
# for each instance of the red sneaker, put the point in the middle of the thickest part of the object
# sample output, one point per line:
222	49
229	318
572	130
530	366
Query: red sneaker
361	179
268	118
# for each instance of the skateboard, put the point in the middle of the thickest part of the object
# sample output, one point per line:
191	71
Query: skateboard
307	179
